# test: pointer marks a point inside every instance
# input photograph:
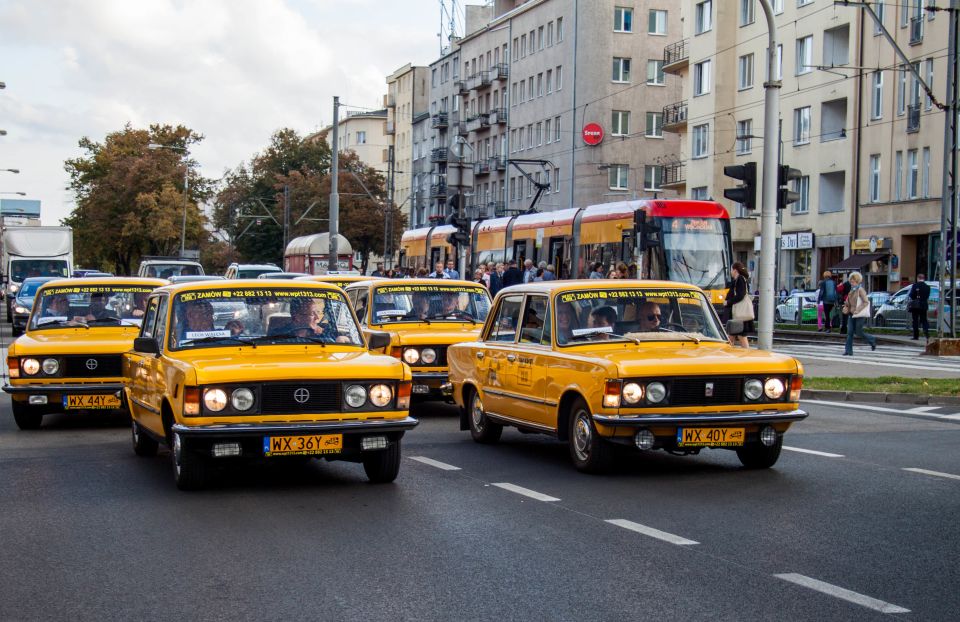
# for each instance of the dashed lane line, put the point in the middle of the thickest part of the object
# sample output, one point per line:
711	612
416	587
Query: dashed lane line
883	409
842	593
435	463
934	473
650	531
813	452
526	492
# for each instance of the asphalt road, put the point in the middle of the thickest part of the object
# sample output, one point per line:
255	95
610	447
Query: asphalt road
90	531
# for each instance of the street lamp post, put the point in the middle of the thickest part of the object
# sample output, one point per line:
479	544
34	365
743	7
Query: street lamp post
15	171
186	188
22	194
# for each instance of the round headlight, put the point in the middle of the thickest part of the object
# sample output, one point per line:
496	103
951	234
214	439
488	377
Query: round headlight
656	392
428	356
215	399
632	393
355	395
752	389
773	388
380	395
50	366
411	356
30	366
242	399
21	310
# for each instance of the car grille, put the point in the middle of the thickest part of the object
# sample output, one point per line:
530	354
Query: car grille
320	397
80	366
693	391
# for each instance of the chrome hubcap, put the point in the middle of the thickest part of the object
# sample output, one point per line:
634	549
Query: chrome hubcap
476	413
582	434
136	433
177	452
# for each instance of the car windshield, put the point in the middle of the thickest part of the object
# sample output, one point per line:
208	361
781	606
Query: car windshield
430	303
90	305
252	273
269	315
630	314
25	268
166	270
29	289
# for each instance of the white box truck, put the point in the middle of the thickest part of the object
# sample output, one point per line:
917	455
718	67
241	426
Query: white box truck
33	251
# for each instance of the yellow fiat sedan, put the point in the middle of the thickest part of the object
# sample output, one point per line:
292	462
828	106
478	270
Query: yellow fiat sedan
263	369
642	364
423	318
69	358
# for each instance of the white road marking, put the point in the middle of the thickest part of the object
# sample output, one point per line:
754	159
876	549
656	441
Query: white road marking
879	409
842	593
862	360
650	531
814	452
435	463
922	409
526	492
934	473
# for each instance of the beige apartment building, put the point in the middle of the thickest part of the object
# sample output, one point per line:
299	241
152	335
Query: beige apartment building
362	133
407	93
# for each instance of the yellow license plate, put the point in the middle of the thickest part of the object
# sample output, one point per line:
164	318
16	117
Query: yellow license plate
312	445
710	437
91	402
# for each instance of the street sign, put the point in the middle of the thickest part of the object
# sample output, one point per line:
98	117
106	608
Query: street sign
592	134
29	208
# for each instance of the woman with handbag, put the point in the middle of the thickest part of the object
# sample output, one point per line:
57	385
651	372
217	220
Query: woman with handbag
857	310
739	305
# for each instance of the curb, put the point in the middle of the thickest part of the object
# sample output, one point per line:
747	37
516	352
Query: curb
922	399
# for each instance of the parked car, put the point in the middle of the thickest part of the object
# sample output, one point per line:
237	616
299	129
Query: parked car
282	275
895	312
787	311
193	278
23	303
166	267
249	270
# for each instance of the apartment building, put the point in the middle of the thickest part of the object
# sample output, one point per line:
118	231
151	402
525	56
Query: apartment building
420	171
407	93
362	133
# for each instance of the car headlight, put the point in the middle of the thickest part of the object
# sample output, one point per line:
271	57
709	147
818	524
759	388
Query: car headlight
428	356
50	366
380	395
14	287
656	392
215	399
632	393
355	396
411	356
773	388
242	399
30	366
21	310
752	389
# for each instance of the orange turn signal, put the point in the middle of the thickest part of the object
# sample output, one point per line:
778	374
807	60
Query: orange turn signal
611	393
191	401
795	385
13	364
404	389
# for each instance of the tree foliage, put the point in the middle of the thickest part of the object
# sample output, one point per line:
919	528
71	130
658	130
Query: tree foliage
130	198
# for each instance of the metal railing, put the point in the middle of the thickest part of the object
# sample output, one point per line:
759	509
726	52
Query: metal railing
438	191
500	71
439	121
675	114
674	173
440	154
498	163
481	167
675	53
498	115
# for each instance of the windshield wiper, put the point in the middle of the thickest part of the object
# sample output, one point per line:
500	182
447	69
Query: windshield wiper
291	335
455	314
41	323
106	318
603	332
246	342
689	336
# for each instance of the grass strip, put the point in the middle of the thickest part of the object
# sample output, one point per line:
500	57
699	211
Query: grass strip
887	384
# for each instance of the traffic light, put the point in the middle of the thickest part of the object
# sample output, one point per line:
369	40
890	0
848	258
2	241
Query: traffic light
460	237
646	231
785	175
745	193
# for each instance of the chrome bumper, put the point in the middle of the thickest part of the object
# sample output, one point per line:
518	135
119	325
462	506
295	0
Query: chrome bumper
653	419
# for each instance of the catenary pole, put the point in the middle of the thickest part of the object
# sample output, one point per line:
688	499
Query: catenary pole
946	324
768	210
334	191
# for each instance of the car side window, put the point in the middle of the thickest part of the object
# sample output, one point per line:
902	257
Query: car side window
505	325
160	329
150	317
361	306
536	321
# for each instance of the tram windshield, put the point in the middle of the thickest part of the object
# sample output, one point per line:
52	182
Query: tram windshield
696	251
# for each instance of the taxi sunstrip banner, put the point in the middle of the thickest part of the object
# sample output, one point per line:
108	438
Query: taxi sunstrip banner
430	289
280	294
620	294
97	289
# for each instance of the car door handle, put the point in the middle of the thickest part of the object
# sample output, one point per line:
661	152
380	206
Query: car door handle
511	357
479	355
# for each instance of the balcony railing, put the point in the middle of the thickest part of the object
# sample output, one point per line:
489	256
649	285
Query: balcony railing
916	30
438	191
498	163
481	167
478	121
460	129
495	209
674	174
439	121
913	118
500	71
462	86
389	100
676	56
675	116
498	115
389	128
440	154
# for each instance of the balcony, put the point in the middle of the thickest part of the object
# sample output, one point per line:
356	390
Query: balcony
389	128
676	57
675	117
913	118
438	191
674	176
916	30
389	100
484	79
497	163
481	167
462	86
496	209
498	115
460	129
440	154
439	121
478	122
500	71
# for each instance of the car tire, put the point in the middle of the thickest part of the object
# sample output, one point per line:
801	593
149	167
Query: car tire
759	456
26	417
143	445
189	468
777	318
481	428
382	467
879	322
588	450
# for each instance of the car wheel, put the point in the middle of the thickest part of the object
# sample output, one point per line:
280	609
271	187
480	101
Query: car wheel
189	468
481	428
759	456
777	318
143	445
590	453
383	466
26	417
879	322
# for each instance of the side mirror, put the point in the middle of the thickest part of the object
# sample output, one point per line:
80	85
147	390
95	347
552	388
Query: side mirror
146	345
378	340
734	327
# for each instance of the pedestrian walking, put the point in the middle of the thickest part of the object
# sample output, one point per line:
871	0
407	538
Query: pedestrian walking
512	275
735	308
919	305
843	289
827	290
480	277
496	279
439	272
548	273
451	271
857	310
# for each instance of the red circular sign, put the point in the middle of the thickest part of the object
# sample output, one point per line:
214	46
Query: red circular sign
592	133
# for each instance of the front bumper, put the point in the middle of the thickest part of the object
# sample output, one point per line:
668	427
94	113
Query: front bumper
700	419
428	382
57	389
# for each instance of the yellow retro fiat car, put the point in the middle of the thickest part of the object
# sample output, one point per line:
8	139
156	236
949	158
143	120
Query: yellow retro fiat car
423	318
642	364
263	369
69	358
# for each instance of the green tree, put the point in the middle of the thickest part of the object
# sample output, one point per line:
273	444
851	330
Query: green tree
130	198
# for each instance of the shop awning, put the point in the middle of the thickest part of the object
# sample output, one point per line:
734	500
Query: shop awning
857	262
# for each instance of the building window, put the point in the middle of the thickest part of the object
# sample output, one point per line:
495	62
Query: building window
654	125
361	137
836	46
621	69
913	174
801	126
549	34
875	178
699	193
651	177
559	72
801	186
778	6
701	140
804	55
523	91
549	81
539	133
925	189
556	128
929	102
540	84
657	22
540	38
620	123
803	2
530	137
622	19
655	72
523	46
618	176
876	96
898	181
880	9
520	143
902	90
744	136
533	41
747	11
548	132
831	192
513	94
530	89
559	29
701	78
745	72
703	17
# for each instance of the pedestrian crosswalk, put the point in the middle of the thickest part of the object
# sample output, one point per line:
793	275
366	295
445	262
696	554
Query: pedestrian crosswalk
886	358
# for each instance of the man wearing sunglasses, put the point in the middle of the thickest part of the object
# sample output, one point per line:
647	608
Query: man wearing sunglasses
649	317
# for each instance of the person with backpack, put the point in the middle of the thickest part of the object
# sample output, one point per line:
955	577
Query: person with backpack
827	289
919	304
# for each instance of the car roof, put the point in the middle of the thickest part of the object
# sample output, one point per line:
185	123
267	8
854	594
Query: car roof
381	282
552	287
175	288
333	277
247	266
191	262
42	279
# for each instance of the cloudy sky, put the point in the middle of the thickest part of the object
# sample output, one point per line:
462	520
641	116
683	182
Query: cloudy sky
233	70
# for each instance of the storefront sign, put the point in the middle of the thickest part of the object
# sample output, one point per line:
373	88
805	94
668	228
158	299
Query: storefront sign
871	244
592	134
796	241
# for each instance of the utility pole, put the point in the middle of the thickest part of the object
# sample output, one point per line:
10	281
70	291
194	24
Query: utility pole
946	324
332	256
768	209
388	212
186	201
286	218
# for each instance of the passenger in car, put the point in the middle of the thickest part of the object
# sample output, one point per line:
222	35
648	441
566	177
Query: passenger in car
602	317
565	322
